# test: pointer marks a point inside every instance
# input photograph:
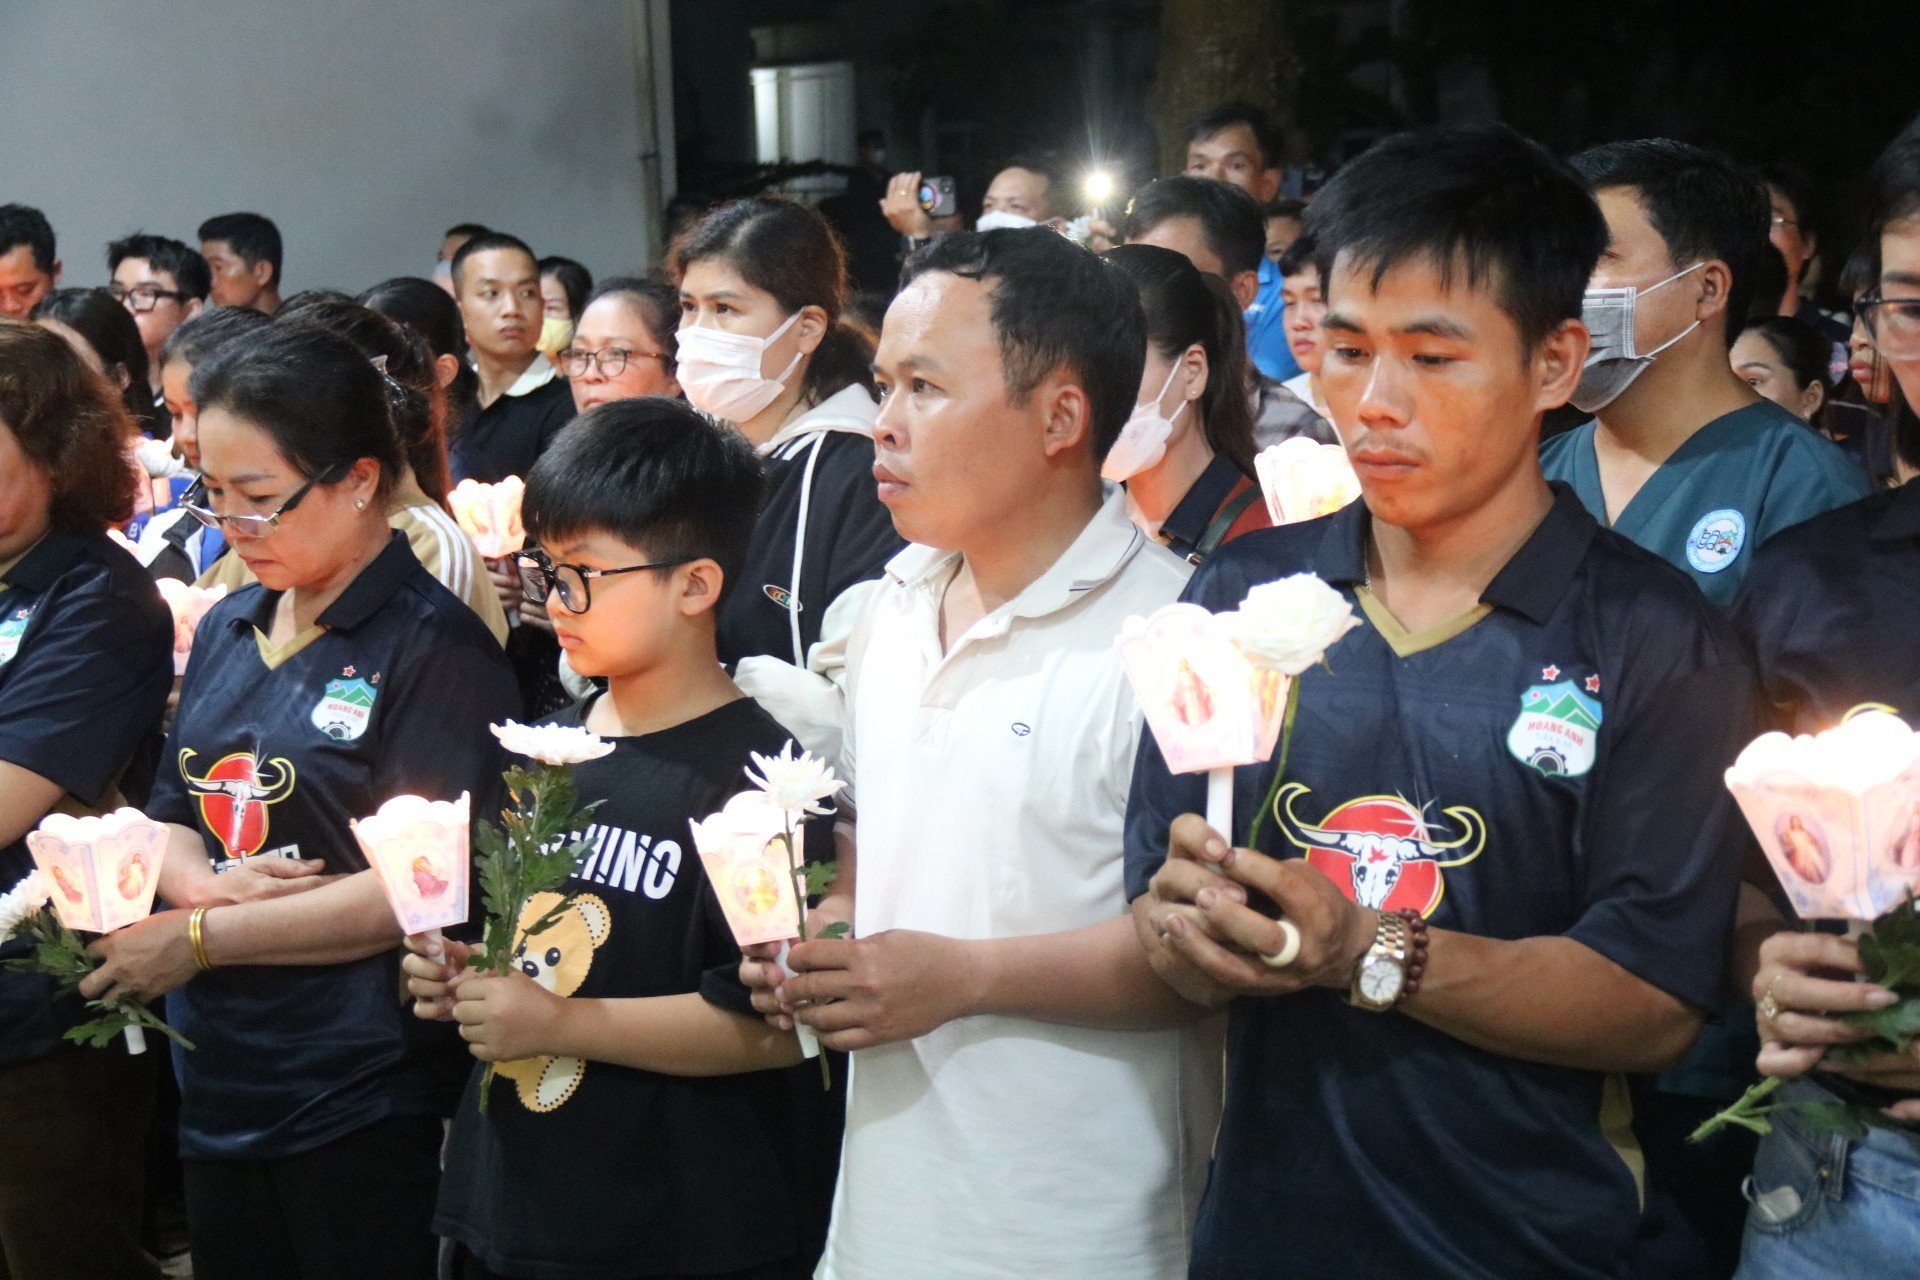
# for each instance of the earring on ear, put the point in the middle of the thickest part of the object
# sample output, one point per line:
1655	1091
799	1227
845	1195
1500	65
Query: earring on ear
359	504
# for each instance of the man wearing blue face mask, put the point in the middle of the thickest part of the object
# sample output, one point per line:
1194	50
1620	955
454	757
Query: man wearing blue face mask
1683	458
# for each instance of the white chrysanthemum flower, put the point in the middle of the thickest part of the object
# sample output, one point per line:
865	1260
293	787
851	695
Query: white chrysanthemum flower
21	901
1289	625
797	785
554	744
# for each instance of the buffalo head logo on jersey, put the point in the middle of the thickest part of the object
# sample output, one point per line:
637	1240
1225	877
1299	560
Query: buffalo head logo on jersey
234	795
1381	850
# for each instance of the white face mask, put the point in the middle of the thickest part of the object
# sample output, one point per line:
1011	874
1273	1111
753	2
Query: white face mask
1143	441
1000	220
720	371
1613	361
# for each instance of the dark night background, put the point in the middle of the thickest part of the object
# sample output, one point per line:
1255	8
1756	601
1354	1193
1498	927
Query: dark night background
958	86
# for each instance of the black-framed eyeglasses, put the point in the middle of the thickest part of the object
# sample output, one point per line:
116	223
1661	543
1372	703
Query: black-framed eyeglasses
255	526
1892	323
575	361
143	298
541	577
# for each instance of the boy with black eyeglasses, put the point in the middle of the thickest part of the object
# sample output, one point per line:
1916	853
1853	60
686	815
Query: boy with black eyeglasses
653	1095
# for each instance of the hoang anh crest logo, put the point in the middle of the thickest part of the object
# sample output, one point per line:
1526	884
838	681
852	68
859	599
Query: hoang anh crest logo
1382	851
234	795
345	708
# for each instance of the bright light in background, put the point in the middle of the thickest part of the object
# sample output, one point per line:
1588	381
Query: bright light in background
1099	186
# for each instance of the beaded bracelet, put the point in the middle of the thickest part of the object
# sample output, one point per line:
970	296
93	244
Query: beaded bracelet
1416	950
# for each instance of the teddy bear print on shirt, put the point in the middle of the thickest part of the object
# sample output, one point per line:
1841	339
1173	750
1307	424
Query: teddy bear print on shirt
557	958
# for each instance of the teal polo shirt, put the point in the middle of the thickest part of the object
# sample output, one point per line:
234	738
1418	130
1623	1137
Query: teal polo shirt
1735	483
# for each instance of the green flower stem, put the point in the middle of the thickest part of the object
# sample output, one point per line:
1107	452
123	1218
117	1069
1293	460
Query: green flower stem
534	850
797	871
1279	768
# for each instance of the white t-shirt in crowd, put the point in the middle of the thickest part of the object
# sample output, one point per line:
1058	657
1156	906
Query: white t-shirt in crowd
990	790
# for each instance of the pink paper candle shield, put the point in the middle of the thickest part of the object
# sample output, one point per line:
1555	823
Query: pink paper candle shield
1303	480
1837	814
419	852
490	515
743	849
102	871
1207	705
189	605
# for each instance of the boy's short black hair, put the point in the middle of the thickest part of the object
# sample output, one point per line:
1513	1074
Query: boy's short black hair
183	263
1482	200
482	243
1054	305
655	473
252	237
1703	205
1230	219
22	224
1228	114
1304	252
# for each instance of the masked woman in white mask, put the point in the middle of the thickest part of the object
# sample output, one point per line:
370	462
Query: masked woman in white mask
1186	453
763	345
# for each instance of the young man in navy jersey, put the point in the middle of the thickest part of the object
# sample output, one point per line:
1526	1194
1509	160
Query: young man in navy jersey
1510	875
638	1091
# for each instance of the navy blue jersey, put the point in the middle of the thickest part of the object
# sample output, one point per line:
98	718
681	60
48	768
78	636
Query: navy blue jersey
591	1171
86	658
273	754
1733	484
1547	764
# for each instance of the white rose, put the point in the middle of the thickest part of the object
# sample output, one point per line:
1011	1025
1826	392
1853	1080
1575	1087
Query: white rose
1289	625
554	744
21	901
796	785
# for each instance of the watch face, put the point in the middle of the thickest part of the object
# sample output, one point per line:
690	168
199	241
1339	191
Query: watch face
1380	980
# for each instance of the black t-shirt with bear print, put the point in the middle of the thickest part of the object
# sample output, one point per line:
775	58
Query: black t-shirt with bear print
589	1171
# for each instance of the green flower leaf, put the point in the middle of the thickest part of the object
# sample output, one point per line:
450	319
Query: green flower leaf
838	929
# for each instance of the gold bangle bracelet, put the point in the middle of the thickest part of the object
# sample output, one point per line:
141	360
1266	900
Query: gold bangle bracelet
195	942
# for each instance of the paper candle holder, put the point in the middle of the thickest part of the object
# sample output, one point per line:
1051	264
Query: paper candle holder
1207	705
189	604
1303	480
490	515
420	853
102	871
743	849
1837	814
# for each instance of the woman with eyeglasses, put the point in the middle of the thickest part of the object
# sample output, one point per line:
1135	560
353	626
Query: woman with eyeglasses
85	663
763	344
624	345
311	1105
416	497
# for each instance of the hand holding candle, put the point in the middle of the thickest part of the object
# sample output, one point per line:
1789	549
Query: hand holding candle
1217	689
98	874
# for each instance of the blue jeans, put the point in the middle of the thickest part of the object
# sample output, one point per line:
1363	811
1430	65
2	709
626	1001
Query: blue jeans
1824	1207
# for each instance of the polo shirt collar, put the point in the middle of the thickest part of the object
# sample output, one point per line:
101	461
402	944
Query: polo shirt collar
1187	523
1109	540
1530	584
43	564
533	377
1901	519
364	596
